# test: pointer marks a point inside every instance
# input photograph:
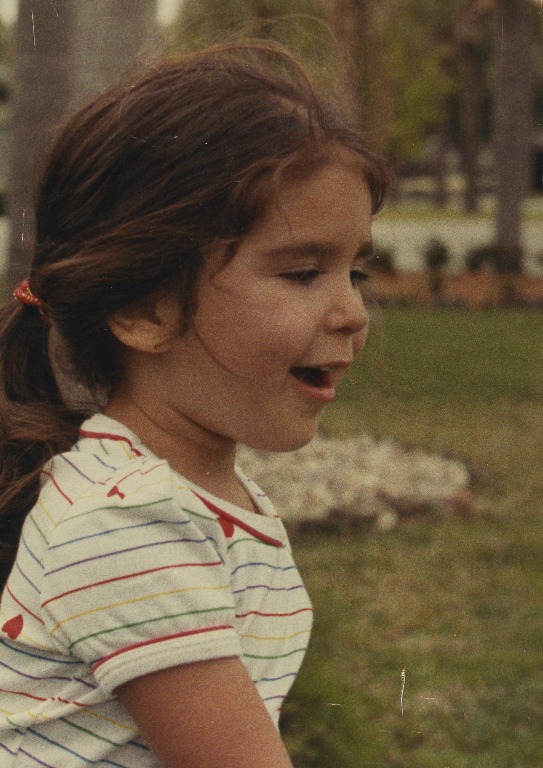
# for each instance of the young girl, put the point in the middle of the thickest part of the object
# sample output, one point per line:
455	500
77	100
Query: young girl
201	237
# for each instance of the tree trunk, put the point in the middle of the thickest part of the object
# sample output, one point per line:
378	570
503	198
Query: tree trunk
362	80
439	168
470	116
40	95
109	37
513	125
469	36
66	52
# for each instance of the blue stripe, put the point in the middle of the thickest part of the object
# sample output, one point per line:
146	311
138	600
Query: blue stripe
268	589
103	463
128	549
32	555
265	565
47	765
48	677
70	751
36	656
274	679
76	469
115	530
23	574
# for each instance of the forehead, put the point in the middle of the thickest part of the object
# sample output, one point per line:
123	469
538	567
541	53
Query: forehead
334	202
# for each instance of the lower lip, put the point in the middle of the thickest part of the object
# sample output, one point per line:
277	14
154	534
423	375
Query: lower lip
322	395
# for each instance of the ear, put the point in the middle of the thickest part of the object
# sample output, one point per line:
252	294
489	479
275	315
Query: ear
149	325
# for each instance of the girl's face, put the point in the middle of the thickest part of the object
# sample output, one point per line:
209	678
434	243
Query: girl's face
278	325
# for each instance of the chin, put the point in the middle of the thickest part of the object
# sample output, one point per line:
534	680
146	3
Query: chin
281	442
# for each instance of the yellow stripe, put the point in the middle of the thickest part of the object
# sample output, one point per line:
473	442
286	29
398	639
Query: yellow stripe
35	644
136	600
47	513
39	715
108	720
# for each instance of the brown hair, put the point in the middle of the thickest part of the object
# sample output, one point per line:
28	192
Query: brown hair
139	185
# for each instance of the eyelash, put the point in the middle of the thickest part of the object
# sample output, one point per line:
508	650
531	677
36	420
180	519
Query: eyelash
308	275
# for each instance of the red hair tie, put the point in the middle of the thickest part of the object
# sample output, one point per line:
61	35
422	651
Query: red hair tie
23	294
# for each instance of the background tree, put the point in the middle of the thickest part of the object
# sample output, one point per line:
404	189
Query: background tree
362	76
514	120
417	43
40	94
301	25
470	35
65	52
109	35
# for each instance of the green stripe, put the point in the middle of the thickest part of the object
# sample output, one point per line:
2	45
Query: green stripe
92	733
150	621
103	447
37	527
252	540
281	656
192	513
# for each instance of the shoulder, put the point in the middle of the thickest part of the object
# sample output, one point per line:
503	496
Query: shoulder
110	481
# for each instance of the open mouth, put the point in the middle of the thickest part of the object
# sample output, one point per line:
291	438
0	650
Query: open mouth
315	377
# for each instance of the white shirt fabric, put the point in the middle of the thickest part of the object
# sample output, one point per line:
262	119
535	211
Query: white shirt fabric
124	568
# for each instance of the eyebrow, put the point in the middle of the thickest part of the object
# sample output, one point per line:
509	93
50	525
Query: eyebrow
317	249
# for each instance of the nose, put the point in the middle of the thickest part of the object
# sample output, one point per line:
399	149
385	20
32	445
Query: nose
347	313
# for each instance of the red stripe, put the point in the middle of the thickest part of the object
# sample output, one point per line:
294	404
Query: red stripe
142	472
271	615
23	606
22	693
57	486
75	703
157	640
108	436
127	576
227	516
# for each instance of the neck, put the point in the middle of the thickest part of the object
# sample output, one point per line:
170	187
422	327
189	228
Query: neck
202	457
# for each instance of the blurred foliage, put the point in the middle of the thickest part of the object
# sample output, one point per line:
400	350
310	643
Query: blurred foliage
417	53
417	37
5	37
302	26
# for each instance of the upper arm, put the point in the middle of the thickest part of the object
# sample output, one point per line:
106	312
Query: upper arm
204	714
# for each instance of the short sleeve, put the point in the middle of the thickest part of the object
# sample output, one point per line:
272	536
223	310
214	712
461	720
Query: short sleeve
135	579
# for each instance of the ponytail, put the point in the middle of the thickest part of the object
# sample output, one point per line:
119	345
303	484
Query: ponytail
34	422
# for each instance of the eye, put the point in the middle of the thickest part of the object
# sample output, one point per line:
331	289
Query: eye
358	277
303	276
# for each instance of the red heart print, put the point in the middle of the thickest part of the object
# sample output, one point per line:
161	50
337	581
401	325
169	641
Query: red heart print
115	492
13	627
227	526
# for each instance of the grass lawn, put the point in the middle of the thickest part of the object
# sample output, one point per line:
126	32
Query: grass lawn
427	651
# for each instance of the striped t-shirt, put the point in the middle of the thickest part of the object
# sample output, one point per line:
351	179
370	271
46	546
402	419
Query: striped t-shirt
124	568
